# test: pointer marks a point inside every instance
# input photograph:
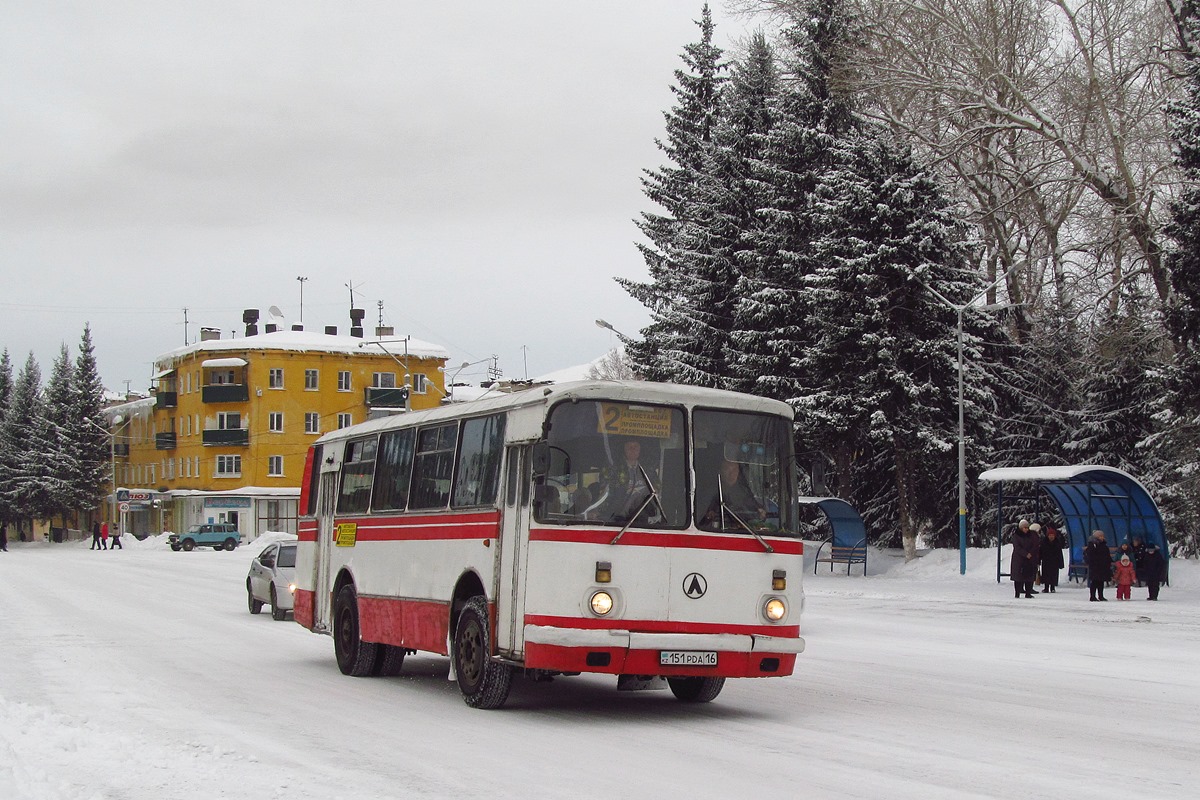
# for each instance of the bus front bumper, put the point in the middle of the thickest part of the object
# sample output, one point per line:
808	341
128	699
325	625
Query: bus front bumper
632	652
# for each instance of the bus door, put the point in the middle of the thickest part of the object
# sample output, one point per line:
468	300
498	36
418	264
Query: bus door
514	552
326	505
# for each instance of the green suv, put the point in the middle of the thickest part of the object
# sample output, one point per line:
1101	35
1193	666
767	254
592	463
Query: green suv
217	535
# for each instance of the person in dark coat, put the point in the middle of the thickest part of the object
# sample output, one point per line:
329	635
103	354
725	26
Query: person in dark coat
1026	549
1099	563
1152	569
3	537
1052	559
95	535
1139	553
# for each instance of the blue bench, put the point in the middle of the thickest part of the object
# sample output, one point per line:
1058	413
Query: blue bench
839	553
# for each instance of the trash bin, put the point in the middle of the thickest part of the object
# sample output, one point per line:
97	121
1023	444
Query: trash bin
56	535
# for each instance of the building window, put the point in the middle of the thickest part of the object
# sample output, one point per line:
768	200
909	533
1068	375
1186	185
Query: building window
311	379
229	421
344	421
275	466
418	383
383	380
312	422
276	422
221	377
229	466
276	380
343	381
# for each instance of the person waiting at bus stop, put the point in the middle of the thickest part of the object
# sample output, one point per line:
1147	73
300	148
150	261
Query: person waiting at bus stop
1099	564
1026	552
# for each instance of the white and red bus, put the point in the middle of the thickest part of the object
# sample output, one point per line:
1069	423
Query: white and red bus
642	530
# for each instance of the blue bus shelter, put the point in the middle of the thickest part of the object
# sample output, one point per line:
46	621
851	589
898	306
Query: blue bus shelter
848	540
1087	497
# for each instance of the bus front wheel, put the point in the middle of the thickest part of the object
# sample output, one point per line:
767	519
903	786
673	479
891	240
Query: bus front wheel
484	683
354	656
696	690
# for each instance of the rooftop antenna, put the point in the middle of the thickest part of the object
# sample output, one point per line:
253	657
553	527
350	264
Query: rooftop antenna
302	280
350	286
525	360
380	304
185	326
275	312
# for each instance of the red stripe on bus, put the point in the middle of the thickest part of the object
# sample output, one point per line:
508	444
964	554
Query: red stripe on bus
661	626
302	608
556	658
415	624
743	543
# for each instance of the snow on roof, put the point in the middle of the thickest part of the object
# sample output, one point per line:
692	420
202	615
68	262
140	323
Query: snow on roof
1053	473
305	341
223	362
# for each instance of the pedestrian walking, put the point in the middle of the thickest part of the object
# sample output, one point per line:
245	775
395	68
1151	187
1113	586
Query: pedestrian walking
1022	568
1124	575
3	537
95	535
116	539
1099	564
1052	559
104	536
1152	569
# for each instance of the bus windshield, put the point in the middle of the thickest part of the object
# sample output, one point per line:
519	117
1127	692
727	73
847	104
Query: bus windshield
620	464
743	472
615	464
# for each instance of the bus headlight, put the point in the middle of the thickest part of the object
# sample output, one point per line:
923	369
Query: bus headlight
601	603
292	588
774	609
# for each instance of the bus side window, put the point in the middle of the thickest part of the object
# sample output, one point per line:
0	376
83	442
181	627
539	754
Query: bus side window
433	465
480	449
393	469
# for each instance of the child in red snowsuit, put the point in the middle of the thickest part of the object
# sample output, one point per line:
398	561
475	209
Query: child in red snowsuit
1124	576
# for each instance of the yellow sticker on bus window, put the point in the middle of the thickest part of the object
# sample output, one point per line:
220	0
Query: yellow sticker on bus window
620	419
347	534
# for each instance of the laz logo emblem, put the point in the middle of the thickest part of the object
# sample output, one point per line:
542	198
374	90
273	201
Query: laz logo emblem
694	585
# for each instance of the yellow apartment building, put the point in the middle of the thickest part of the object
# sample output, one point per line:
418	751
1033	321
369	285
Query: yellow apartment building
223	437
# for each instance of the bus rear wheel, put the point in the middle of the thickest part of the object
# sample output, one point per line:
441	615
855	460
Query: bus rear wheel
696	690
354	656
484	683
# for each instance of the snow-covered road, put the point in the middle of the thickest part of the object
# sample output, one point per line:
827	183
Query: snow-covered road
140	675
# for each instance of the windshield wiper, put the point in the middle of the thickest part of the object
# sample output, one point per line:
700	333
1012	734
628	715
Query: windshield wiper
740	521
653	496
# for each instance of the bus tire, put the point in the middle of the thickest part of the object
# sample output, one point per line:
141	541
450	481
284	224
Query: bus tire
696	690
354	656
254	604
484	683
389	660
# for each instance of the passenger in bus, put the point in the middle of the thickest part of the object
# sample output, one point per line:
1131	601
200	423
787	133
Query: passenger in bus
626	485
733	495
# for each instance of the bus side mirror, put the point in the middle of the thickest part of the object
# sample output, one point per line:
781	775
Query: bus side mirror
540	458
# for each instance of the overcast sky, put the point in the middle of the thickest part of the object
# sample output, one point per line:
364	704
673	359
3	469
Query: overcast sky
474	166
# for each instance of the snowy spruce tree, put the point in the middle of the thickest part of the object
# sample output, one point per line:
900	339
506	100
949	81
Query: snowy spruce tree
1178	445
688	293
24	450
807	118
878	382
60	455
89	471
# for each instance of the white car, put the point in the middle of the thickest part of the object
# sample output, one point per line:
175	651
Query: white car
272	579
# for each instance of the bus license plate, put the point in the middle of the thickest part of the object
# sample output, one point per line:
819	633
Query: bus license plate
687	658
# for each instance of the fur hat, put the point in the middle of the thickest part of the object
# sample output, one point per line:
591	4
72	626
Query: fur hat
1124	559
1035	527
1023	523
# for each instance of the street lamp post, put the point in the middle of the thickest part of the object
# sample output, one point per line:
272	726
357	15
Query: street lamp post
962	438
112	461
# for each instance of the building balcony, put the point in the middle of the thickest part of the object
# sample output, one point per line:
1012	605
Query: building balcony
120	450
166	399
233	437
225	393
377	397
164	441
